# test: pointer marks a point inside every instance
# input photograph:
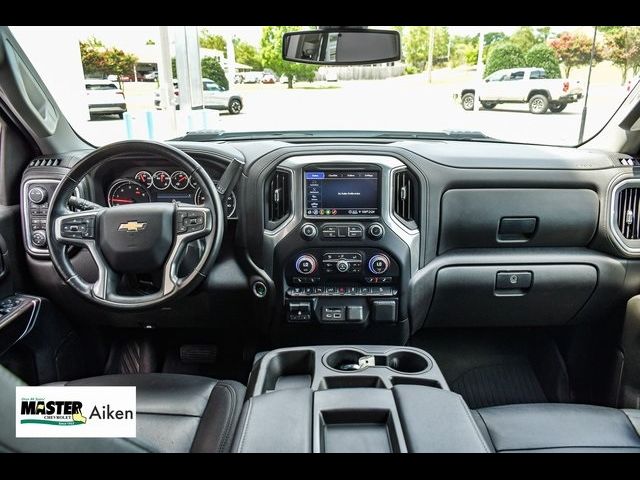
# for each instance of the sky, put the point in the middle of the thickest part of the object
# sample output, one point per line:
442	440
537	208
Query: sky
131	37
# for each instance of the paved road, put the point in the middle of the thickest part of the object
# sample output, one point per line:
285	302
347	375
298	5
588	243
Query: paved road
404	103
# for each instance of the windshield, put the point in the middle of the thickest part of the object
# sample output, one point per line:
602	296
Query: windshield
520	84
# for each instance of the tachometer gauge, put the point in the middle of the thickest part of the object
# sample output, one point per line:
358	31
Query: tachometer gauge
126	192
161	180
228	203
143	177
179	180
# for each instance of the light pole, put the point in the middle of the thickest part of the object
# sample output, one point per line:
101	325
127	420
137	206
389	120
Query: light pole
583	120
479	68
432	38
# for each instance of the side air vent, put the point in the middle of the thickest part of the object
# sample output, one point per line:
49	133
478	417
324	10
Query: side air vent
627	213
46	162
405	197
277	198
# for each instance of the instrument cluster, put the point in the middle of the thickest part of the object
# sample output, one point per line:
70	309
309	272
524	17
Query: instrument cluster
163	185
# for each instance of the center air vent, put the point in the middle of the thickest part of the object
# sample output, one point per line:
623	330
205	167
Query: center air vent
278	198
627	213
46	162
405	197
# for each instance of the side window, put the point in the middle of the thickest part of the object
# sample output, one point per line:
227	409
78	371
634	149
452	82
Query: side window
537	75
211	87
519	75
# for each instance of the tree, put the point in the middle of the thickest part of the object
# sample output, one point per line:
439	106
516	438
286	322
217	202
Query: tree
212	70
523	38
491	38
505	55
543	56
247	54
622	47
542	34
209	68
574	50
97	59
150	42
416	47
271	53
213	41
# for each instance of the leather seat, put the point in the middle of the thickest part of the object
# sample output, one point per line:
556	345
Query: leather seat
549	427
175	413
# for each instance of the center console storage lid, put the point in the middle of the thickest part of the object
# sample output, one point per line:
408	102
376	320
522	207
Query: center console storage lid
276	423
437	421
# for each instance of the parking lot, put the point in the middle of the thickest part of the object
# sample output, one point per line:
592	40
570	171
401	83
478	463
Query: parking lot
402	103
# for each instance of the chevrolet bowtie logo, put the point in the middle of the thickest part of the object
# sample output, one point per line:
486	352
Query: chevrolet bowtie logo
132	227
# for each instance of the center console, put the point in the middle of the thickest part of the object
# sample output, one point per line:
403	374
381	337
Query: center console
342	261
360	399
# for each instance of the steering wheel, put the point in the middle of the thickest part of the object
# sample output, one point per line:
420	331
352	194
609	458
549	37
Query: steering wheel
137	238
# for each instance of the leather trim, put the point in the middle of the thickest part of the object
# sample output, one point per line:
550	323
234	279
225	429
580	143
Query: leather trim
634	418
565	427
216	429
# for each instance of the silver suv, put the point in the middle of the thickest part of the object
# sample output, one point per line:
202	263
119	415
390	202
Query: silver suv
214	97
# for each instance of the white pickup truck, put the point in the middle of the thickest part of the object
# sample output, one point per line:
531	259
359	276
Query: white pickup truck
522	85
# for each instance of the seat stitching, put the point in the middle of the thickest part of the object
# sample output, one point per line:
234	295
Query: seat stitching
473	424
566	446
635	429
488	431
229	419
245	427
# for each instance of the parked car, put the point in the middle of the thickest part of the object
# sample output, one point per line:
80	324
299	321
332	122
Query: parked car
522	85
104	98
214	96
151	76
331	75
253	77
268	78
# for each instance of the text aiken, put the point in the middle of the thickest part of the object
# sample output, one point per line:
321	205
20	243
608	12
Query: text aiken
103	412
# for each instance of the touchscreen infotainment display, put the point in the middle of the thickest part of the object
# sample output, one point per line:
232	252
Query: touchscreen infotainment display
336	193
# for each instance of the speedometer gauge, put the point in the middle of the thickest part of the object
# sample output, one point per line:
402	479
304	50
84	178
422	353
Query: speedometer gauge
161	180
127	192
143	177
179	180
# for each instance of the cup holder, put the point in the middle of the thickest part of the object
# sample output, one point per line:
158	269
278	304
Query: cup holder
344	360
407	362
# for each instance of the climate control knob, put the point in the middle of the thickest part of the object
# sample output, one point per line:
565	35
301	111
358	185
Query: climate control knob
37	195
306	264
342	266
378	264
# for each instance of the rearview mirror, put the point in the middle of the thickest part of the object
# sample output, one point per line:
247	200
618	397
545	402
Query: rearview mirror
341	46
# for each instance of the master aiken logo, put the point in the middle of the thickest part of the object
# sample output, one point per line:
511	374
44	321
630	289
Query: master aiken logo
75	412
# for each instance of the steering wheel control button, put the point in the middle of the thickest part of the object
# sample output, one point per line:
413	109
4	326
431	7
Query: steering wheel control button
188	221
375	231
306	264
78	227
378	264
308	231
37	195
39	238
